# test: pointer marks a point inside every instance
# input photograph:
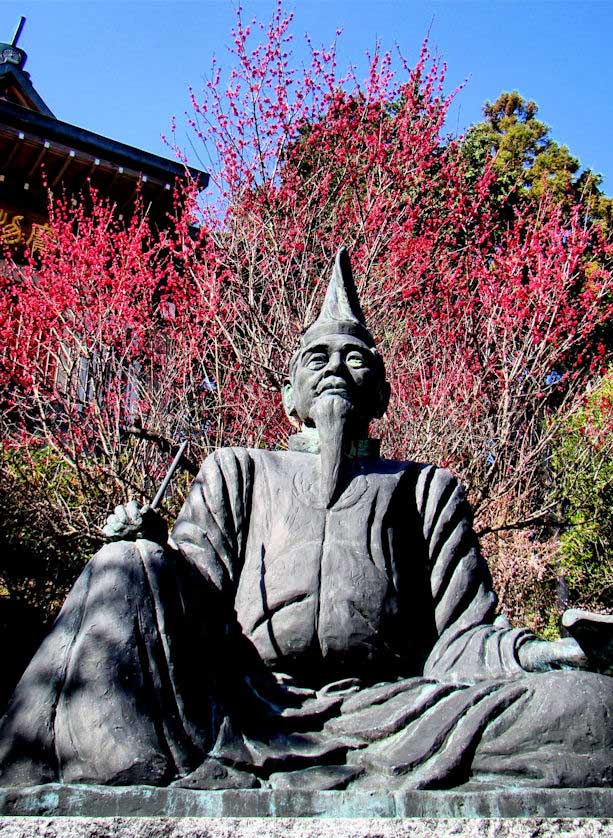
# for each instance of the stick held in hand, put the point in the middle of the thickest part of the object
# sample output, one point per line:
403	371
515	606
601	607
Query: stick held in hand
169	474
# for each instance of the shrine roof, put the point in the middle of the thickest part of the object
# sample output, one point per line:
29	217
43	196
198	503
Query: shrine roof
39	151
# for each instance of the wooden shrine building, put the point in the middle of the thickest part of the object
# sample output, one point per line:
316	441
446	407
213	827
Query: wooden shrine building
39	152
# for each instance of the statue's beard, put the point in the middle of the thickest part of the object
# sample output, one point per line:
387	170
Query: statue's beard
330	414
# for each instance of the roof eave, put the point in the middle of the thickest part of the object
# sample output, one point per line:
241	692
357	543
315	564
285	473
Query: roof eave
49	128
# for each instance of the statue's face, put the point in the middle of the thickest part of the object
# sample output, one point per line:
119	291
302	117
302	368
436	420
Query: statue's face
340	366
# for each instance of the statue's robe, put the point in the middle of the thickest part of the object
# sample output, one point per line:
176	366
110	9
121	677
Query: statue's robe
278	643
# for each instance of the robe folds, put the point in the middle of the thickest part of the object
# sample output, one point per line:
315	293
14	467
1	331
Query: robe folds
275	643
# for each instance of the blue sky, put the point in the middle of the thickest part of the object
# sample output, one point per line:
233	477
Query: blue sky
122	69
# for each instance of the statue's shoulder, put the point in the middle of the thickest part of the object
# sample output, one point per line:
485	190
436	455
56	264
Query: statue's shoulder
439	474
417	469
428	479
243	457
225	459
439	492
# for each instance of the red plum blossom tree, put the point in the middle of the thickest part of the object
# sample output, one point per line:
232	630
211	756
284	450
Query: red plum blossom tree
121	341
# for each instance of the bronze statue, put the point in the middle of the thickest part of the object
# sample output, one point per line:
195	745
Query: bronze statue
319	618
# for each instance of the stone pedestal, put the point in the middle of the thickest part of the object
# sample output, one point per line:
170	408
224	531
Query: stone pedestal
79	811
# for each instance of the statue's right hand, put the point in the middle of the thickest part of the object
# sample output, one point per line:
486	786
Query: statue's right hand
129	522
544	655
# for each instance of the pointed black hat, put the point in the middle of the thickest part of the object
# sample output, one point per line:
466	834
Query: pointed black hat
341	312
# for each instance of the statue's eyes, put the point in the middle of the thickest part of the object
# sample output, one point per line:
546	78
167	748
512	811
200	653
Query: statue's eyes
317	361
356	360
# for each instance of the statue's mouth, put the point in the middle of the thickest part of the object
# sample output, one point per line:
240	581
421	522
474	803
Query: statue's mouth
333	388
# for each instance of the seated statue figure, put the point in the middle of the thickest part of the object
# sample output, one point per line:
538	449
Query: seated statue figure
320	618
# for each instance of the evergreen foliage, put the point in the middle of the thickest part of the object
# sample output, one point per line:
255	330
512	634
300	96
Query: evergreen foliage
582	465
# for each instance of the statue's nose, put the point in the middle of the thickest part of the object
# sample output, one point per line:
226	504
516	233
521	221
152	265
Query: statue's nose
335	364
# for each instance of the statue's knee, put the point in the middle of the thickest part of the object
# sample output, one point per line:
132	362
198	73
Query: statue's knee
128	560
576	686
577	701
129	551
117	554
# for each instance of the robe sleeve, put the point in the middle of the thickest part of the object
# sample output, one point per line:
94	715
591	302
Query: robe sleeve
211	529
471	645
